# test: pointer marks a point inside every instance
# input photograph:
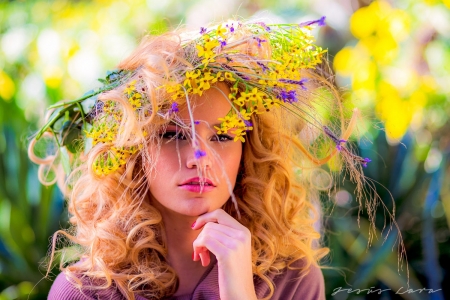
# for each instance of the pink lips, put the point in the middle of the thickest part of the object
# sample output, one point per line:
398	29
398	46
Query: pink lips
197	185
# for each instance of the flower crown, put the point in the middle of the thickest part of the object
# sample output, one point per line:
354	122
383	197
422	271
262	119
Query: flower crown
261	63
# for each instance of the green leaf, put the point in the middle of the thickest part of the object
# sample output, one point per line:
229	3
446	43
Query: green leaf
70	136
65	160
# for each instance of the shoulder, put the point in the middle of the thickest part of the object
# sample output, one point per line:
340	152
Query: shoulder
293	284
64	288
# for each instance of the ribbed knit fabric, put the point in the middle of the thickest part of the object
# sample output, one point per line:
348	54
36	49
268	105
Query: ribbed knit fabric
288	285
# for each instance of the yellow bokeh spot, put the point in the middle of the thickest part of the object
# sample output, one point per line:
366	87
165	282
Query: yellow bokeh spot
363	23
399	24
53	76
385	50
364	76
7	87
343	61
349	59
446	3
380	8
429	84
398	112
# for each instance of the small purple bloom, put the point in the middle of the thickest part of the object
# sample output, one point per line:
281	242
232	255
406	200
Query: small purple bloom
196	122
202	30
298	82
248	124
174	108
259	41
365	161
267	28
199	153
263	66
223	44
288	96
319	22
339	146
231	28
332	136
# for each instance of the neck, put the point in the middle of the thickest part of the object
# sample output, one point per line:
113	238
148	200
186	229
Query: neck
179	240
179	237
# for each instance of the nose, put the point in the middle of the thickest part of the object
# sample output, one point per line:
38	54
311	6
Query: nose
199	157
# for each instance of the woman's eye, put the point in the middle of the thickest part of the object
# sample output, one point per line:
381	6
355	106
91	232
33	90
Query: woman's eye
222	138
173	135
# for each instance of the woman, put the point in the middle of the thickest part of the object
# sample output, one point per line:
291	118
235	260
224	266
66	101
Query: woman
195	174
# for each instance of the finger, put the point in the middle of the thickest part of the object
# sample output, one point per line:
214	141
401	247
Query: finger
212	244
204	256
239	234
217	216
197	251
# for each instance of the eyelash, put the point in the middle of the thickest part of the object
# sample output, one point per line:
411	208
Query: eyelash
173	135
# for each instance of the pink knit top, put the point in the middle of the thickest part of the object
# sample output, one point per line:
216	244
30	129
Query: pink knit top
288	285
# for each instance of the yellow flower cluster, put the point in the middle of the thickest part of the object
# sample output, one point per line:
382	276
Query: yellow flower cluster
268	85
196	83
105	131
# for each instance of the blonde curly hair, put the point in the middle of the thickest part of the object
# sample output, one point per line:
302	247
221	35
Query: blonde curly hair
119	236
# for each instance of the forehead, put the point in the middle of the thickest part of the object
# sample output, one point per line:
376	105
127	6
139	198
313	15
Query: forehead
212	105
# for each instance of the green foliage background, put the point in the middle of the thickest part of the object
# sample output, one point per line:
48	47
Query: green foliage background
392	57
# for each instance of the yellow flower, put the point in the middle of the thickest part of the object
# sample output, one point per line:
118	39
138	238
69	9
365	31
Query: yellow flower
130	88
228	121
221	31
239	135
229	76
271	103
222	130
240	101
219	76
245	115
212	44
193	74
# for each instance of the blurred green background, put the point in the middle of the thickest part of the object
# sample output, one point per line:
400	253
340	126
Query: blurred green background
392	58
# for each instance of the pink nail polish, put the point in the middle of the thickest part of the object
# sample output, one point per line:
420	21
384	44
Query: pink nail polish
193	224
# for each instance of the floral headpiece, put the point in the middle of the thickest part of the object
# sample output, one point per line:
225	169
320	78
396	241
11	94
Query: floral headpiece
261	63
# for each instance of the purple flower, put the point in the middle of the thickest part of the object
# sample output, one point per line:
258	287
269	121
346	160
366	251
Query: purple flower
199	153
230	27
320	22
267	28
263	66
338	144
259	41
298	82
202	30
223	44
365	161
288	96
335	139
196	122
248	124
174	108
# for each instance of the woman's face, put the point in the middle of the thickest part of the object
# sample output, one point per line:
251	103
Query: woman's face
176	187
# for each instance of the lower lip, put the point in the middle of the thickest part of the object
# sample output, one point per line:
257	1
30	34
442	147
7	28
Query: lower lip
196	188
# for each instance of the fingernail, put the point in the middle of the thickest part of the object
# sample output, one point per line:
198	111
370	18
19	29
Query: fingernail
193	224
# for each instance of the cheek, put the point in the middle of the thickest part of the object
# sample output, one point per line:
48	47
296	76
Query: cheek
233	160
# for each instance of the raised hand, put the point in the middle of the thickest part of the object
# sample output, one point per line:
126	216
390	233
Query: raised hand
230	242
